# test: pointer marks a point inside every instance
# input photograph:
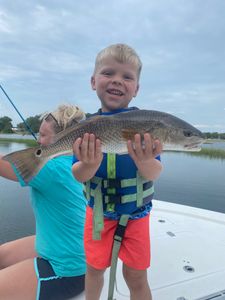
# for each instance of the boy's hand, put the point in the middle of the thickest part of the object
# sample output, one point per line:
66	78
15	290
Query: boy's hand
144	154
144	151
88	149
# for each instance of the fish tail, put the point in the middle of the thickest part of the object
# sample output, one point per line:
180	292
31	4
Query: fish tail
26	162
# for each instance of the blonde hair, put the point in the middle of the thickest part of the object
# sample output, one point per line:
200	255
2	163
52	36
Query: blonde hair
122	53
64	116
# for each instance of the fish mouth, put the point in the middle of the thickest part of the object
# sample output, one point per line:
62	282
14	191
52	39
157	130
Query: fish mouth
115	92
193	146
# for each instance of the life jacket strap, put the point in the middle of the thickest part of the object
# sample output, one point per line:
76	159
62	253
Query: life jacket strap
118	237
139	196
111	175
98	218
116	183
87	190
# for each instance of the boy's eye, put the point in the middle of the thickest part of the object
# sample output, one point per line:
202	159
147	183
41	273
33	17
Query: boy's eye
128	77
107	73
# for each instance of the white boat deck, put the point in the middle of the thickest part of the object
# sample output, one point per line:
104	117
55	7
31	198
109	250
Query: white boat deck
188	255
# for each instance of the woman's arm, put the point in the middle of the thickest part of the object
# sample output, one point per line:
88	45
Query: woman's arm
6	170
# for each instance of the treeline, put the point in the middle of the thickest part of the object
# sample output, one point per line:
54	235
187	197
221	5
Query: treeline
214	135
34	124
7	127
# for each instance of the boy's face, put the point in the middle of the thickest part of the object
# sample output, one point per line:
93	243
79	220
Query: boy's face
115	84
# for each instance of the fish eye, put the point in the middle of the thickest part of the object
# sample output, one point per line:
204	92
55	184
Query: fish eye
187	133
38	152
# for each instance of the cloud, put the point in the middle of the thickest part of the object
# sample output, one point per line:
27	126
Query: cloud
47	52
210	127
5	26
12	72
58	61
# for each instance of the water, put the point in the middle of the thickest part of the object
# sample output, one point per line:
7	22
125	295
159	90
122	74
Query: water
16	136
216	145
189	180
16	216
194	181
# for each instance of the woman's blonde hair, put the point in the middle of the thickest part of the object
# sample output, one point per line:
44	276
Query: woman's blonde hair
122	53
64	116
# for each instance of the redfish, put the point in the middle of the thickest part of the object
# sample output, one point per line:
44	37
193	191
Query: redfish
114	131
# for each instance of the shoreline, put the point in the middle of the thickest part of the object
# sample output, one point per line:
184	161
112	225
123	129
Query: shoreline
27	141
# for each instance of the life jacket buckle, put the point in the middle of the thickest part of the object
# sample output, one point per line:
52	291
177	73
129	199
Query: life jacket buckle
112	183
115	199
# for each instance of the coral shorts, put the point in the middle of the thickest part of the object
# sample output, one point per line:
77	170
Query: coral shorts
135	247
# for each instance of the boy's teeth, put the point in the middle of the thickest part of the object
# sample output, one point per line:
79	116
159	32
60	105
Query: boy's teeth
115	92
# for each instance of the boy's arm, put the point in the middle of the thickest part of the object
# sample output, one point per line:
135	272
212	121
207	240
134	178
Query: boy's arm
6	170
88	152
144	158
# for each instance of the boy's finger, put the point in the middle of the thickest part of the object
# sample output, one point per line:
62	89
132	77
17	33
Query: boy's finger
158	147
76	145
148	144
98	149
130	149
91	147
84	145
138	144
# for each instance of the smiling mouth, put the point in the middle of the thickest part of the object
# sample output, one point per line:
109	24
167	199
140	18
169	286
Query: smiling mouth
115	92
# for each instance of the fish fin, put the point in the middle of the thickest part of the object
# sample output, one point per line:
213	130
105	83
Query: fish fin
26	162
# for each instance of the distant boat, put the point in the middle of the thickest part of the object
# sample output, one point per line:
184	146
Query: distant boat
188	255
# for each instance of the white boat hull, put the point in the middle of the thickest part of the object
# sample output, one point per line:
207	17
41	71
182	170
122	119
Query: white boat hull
188	255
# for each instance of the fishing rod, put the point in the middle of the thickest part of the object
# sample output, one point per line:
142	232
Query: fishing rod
25	123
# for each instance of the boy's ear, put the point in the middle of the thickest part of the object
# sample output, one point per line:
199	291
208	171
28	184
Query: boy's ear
136	91
93	83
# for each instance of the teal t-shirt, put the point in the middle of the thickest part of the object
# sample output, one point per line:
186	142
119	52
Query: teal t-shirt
59	208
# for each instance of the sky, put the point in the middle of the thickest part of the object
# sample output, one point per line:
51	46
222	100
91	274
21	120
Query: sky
48	49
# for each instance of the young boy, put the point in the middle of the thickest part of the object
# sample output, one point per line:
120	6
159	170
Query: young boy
116	82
